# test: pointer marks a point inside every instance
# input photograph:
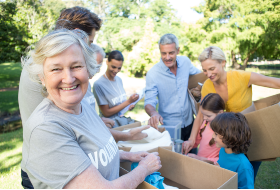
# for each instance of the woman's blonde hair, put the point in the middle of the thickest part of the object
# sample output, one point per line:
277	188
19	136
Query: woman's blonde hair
52	44
212	52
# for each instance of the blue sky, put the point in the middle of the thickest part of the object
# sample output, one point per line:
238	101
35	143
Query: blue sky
184	10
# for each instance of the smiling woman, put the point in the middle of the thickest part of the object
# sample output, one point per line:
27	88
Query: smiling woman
66	144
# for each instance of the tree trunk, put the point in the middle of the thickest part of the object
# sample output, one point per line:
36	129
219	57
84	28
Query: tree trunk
233	58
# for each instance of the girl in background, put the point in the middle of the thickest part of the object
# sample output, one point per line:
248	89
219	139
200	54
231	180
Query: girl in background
210	107
108	89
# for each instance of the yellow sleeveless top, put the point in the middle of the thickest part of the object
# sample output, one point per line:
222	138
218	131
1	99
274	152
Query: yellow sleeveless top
239	94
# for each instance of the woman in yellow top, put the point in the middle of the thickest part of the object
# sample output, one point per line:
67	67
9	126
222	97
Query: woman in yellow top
235	87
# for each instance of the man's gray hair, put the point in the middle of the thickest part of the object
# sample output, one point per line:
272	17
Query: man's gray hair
98	49
169	39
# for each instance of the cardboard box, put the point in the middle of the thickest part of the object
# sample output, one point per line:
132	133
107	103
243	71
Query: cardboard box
264	121
188	173
193	82
133	125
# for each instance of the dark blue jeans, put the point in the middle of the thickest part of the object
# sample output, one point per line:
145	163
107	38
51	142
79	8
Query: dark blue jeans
26	183
256	166
185	135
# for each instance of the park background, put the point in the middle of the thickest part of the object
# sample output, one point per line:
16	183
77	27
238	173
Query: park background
248	31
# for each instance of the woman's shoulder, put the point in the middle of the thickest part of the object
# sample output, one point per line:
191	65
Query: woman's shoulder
239	74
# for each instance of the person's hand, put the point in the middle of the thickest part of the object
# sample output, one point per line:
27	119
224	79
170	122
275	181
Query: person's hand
108	122
137	156
187	146
154	120
136	133
131	107
216	164
151	163
133	98
193	156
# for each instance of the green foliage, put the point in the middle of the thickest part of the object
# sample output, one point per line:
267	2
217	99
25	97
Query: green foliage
12	37
242	27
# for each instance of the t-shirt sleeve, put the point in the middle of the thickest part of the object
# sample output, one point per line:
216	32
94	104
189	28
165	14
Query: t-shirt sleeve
246	179
55	157
245	75
151	91
99	94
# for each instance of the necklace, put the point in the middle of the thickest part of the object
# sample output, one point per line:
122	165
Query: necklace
113	85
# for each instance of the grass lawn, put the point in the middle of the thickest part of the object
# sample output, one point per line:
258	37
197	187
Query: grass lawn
9	101
10	158
9	75
9	78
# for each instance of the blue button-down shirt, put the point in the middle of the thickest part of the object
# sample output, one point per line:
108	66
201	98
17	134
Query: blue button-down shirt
172	91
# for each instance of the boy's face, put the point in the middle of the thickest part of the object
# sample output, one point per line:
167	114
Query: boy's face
218	140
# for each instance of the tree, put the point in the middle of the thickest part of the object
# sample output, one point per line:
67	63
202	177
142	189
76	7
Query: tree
243	24
12	37
145	53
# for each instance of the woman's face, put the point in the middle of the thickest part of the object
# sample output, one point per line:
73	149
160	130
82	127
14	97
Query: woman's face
213	69
114	66
66	77
208	115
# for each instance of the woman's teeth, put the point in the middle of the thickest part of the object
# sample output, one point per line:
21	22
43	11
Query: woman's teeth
73	87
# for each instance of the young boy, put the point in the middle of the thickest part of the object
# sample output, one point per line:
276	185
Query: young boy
233	135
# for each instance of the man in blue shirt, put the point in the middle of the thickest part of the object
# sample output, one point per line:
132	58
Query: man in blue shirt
168	81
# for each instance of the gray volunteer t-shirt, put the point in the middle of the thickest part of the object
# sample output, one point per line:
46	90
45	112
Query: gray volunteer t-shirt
58	146
89	97
30	96
109	93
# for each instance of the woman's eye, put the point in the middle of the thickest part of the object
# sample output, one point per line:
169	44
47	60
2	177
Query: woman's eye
76	67
56	69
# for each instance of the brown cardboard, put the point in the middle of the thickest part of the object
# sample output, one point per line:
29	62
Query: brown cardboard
193	82
264	120
129	126
133	125
185	172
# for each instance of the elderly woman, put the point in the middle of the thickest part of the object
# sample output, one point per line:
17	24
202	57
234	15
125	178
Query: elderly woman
235	87
66	145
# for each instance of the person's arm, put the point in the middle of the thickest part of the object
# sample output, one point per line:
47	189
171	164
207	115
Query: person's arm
261	80
188	145
151	101
155	117
133	134
91	178
107	112
108	122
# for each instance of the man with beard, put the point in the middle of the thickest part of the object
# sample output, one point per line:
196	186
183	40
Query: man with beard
167	85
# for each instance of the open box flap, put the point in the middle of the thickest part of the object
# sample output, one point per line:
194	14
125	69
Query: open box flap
129	126
264	125
182	171
194	79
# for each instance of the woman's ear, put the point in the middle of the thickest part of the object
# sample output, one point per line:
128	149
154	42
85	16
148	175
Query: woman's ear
42	80
223	64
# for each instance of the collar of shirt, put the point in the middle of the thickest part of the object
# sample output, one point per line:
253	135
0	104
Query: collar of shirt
163	66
